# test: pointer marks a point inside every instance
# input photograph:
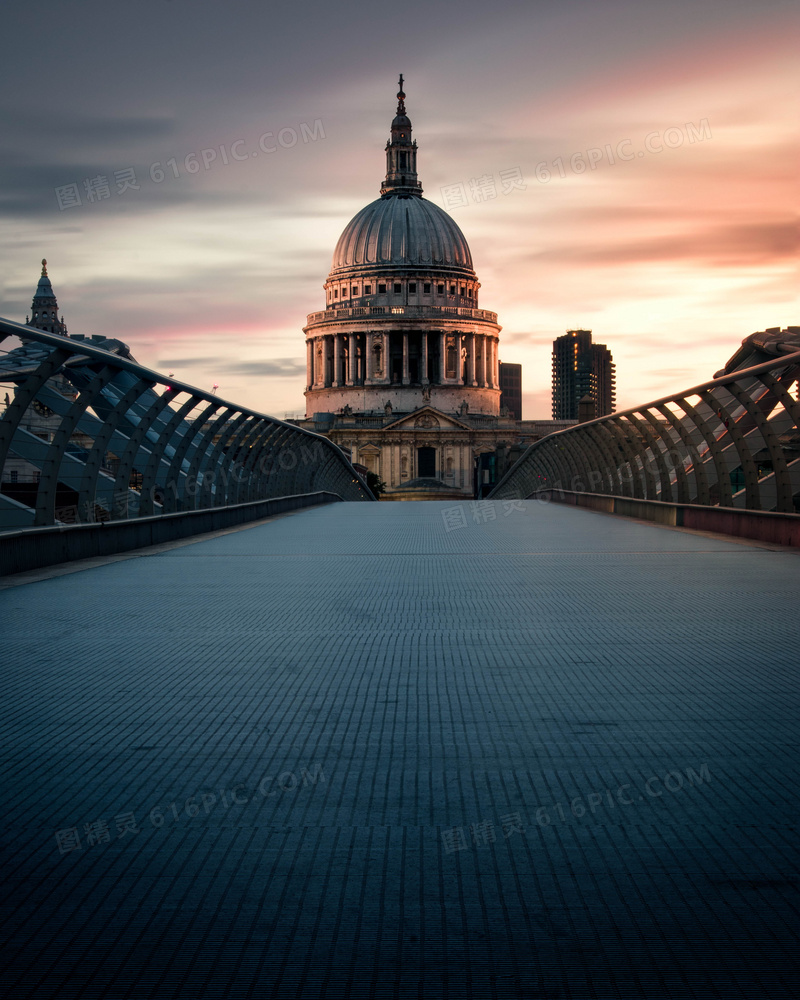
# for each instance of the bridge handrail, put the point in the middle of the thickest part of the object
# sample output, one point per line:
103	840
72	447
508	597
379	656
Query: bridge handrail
189	448
734	443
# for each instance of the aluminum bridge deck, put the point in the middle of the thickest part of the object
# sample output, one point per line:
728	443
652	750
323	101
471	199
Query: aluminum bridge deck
405	750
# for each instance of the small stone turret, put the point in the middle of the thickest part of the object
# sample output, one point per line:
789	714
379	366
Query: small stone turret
44	308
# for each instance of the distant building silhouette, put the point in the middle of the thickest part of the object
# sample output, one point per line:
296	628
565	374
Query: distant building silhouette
581	369
511	389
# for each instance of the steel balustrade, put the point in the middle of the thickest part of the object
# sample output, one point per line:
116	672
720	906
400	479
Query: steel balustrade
90	435
730	442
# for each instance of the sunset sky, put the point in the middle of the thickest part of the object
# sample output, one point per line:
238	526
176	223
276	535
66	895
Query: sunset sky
680	241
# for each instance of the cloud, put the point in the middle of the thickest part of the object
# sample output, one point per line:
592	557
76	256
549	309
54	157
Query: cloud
691	245
526	338
279	368
30	190
172	363
48	129
726	246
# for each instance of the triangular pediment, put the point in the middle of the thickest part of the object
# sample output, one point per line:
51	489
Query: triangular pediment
426	418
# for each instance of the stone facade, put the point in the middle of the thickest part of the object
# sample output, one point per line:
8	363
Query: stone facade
428	454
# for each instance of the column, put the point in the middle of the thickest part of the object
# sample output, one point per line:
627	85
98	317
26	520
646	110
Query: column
442	359
424	361
495	376
385	357
369	363
352	361
337	360
471	360
406	377
319	361
309	363
482	367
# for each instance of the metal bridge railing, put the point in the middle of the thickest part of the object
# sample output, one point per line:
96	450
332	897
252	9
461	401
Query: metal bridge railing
90	435
730	442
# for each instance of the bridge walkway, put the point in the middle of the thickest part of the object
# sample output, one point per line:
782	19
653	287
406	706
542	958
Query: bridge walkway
410	749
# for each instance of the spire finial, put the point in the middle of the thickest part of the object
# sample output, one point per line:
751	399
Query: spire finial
401	107
44	266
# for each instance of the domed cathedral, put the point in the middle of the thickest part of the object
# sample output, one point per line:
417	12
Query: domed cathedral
402	322
402	366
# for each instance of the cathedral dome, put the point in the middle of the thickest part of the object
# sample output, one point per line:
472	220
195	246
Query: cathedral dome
400	230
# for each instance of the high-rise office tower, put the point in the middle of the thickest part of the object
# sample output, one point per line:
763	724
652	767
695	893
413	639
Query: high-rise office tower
580	369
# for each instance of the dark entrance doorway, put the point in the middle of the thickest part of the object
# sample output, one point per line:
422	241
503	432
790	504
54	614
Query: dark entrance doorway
426	463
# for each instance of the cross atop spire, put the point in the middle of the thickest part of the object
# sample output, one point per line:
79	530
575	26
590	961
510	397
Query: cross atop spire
44	262
401	98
